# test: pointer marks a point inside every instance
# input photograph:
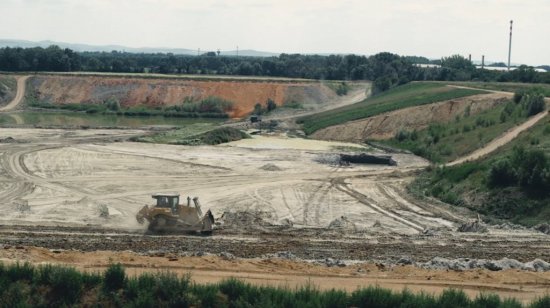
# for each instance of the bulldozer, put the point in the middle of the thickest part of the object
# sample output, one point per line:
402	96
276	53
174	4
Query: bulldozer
169	216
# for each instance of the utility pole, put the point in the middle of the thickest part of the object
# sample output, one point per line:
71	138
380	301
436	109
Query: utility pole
510	44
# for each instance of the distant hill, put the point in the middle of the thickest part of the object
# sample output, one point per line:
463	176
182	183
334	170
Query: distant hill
109	48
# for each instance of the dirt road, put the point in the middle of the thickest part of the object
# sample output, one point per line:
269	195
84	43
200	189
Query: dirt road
501	140
21	84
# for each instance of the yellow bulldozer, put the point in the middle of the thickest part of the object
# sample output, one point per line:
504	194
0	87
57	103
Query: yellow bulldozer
169	216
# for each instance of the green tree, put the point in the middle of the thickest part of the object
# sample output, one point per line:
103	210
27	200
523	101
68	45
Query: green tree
457	62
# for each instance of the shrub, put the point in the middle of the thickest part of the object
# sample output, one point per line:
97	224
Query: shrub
342	89
487	301
518	95
531	166
14	295
270	105
402	135
19	271
114	278
374	297
453	298
502	174
532	102
543	302
66	285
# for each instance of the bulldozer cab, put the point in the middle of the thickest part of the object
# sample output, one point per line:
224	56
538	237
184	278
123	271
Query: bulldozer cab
170	201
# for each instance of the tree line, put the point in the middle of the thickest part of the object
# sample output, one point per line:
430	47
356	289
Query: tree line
384	69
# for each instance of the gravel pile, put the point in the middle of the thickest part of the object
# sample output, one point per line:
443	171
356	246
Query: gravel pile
438	263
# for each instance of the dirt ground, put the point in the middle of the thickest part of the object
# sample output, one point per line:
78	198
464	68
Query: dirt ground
302	212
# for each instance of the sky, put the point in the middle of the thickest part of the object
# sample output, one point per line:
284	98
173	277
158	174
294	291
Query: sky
430	28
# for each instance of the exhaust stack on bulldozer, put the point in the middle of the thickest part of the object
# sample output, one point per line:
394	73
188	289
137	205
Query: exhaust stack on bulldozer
168	216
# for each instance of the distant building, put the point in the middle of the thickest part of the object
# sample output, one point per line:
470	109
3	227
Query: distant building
502	69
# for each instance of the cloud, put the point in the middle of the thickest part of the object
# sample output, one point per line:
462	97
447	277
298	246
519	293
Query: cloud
432	28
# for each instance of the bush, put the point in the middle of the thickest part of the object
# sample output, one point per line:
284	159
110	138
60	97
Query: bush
114	278
531	168
543	302
502	174
453	298
66	285
14	295
534	103
19	271
342	89
270	105
374	297
518	95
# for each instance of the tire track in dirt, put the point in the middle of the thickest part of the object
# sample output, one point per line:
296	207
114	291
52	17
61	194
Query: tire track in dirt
340	185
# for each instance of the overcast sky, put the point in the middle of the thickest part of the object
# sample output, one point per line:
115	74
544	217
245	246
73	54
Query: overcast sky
431	28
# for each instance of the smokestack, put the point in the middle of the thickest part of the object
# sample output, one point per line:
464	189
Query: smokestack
510	45
470	57
482	61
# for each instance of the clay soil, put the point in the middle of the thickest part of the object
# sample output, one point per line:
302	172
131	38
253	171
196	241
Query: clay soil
132	91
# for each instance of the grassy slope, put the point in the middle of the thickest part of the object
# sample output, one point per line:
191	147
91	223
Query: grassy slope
505	86
466	184
413	94
446	142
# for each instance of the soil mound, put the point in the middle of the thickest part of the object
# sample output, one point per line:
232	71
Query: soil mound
473	226
342	223
244	220
270	167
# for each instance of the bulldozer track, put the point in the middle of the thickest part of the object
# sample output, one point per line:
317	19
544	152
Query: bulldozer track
372	204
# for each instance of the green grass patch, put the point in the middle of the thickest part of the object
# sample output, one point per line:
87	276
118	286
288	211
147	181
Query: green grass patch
409	95
506	86
24	285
